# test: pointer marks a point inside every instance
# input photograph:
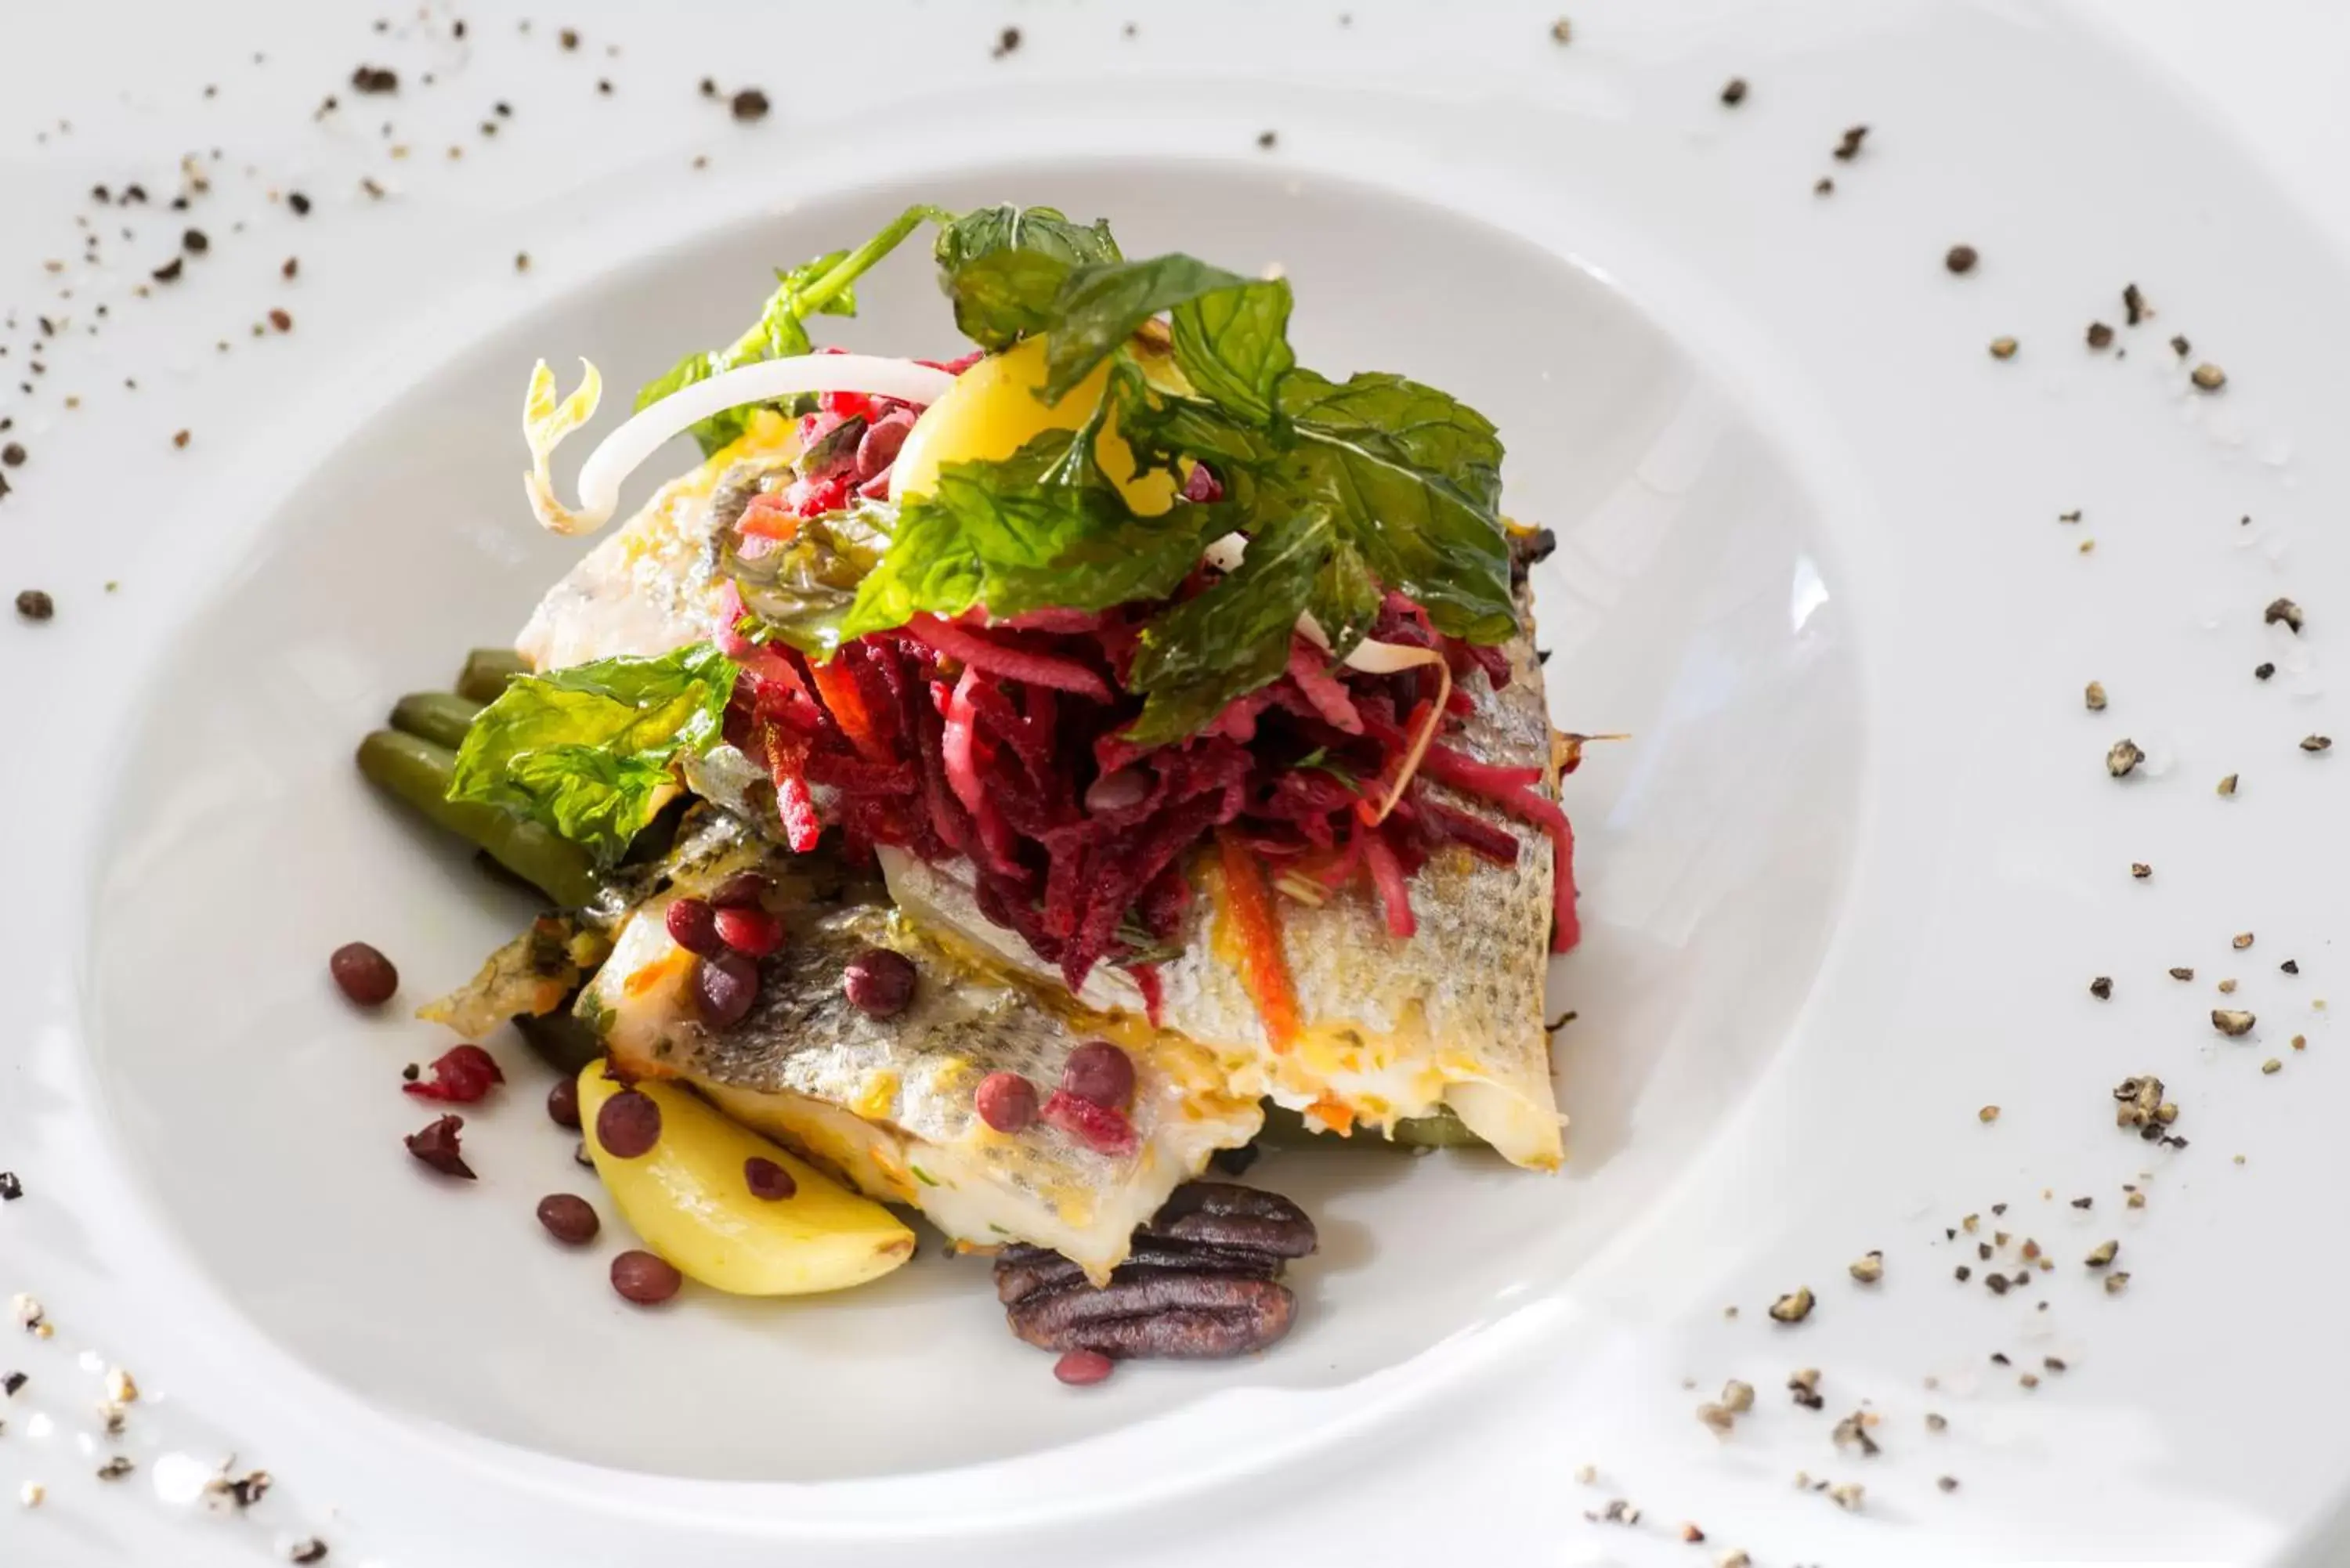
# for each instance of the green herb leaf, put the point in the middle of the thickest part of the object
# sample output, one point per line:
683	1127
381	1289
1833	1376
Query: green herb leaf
1319	759
1345	601
1226	643
1100	306
1233	346
588	750
1045	528
1003	265
801	592
822	287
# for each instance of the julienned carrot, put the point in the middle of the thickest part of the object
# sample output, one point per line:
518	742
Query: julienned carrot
1264	970
838	684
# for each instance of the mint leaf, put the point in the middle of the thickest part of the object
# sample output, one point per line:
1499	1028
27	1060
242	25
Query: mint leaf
1233	346
1345	601
588	750
801	592
1002	267
1195	658
1044	528
1102	306
823	287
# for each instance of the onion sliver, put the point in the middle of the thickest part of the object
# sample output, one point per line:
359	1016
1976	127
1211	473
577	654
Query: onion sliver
546	422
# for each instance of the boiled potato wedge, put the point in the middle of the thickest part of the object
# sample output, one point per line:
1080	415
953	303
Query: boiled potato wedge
688	1198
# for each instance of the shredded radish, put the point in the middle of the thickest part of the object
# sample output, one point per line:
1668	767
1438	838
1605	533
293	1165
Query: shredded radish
1013	663
546	422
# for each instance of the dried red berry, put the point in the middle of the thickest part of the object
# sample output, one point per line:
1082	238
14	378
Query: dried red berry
364	974
645	1278
1083	1368
568	1218
436	1146
723	989
462	1075
1007	1102
562	1103
694	926
1100	1072
879	983
1098	1127
768	1180
750	931
628	1125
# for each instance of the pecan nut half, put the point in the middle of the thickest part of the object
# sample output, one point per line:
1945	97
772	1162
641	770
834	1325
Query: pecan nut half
1202	1280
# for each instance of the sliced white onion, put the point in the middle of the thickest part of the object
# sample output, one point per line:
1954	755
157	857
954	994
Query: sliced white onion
546	422
1371	658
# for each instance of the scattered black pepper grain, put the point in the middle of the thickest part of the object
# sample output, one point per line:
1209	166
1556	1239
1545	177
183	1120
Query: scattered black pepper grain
457	28
2100	335
2102	987
195	241
1960	259
1824	186
11	1189
306	1551
12	454
2180	346
1006	42
34	605
568	37
293	264
709	87
2263	670
411	1073
368	183
281	320
178	203
1266	140
169	272
179	438
1734	92
299	203
1964	1273
374	79
2282	612
2083	1202
2291	966
750	104
522	261
2134	306
1849	149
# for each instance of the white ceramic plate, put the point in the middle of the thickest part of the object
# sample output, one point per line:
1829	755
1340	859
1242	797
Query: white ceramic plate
1848	884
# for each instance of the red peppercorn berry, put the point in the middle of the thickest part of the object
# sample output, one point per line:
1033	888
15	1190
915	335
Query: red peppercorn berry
568	1218
879	982
645	1278
1007	1102
750	931
363	974
725	987
628	1125
562	1103
1100	1072
436	1144
768	1180
694	926
1083	1368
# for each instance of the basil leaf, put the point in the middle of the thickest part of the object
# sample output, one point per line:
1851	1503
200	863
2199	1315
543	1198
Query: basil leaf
1233	346
588	750
1192	659
1100	306
1041	529
822	287
1003	265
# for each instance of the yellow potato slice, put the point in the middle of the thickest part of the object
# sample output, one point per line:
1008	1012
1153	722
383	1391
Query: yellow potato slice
688	1198
993	411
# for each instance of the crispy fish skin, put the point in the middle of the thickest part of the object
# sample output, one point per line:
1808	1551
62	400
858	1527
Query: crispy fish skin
889	1103
1392	1027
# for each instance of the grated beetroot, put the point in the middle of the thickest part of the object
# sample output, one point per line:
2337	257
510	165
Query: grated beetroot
462	1075
1099	1128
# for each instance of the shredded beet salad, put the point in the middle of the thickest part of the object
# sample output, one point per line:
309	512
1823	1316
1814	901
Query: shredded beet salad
999	741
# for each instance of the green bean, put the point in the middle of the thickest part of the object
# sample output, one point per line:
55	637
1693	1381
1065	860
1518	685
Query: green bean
418	772
487	672
1441	1129
440	717
560	1038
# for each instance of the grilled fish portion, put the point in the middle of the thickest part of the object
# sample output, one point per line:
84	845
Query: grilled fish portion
888	1103
1391	1027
